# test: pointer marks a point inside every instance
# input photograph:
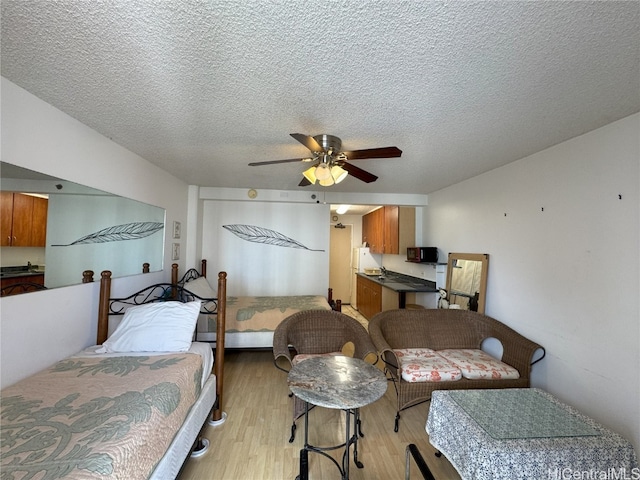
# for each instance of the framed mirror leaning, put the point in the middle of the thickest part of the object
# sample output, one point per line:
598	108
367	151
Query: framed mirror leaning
467	280
86	229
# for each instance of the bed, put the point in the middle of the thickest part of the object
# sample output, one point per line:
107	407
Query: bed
250	320
133	406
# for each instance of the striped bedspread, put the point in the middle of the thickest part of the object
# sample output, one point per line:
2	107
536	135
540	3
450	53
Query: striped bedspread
97	418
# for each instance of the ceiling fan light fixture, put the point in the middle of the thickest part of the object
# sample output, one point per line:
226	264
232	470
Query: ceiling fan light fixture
330	160
326	182
310	174
323	172
338	173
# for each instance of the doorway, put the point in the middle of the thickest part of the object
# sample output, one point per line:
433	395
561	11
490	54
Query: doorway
340	262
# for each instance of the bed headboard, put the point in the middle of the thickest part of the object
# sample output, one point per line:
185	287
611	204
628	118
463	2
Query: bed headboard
189	275
159	292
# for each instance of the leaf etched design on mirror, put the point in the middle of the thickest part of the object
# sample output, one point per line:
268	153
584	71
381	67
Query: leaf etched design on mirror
118	233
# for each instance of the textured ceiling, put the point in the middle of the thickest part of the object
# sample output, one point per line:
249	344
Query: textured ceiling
201	88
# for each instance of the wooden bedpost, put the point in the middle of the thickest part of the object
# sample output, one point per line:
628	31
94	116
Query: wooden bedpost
337	305
174	281
103	309
87	276
203	268
145	267
218	366
174	274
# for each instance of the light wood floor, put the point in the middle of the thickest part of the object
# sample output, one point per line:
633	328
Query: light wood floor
253	442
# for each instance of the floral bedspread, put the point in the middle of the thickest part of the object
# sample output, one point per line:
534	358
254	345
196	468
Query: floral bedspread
96	418
259	314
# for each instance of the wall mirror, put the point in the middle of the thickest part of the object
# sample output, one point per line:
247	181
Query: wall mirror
86	229
467	280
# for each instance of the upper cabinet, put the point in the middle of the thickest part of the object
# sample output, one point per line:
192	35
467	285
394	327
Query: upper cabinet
39	225
24	220
390	229
406	229
391	218
373	230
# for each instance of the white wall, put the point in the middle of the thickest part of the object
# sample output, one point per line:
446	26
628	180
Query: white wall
283	249
563	263
40	328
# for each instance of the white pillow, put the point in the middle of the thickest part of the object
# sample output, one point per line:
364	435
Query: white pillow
201	287
155	327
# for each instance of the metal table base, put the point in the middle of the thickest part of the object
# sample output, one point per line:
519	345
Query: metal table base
350	439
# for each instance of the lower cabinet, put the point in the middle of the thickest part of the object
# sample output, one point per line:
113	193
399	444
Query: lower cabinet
369	296
374	298
5	282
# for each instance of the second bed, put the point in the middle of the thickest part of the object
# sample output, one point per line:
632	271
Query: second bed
250	320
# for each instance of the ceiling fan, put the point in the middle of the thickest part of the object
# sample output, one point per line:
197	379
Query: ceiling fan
330	162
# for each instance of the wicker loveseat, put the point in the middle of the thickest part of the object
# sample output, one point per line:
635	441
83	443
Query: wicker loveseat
396	331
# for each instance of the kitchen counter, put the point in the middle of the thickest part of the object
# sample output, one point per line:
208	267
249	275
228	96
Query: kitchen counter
402	284
22	271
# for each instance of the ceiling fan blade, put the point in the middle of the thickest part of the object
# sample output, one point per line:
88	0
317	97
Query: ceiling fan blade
304	182
308	142
359	173
271	162
384	152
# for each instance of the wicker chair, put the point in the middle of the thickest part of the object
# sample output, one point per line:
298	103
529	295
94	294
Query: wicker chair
318	332
439	329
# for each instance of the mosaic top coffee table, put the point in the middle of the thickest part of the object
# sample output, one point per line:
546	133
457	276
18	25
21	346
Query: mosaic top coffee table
523	433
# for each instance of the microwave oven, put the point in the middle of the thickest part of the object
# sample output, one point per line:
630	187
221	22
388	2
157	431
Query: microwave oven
422	254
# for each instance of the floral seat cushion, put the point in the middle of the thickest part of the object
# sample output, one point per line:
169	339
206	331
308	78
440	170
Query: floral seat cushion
476	364
425	365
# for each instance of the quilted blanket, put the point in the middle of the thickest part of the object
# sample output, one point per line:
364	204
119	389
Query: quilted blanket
259	314
96	418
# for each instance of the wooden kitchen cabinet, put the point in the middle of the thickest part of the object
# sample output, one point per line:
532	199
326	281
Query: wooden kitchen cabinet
6	218
24	220
369	295
406	229
374	298
39	225
390	229
373	230
5	282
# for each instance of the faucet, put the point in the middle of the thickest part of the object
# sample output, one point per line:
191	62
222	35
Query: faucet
383	271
